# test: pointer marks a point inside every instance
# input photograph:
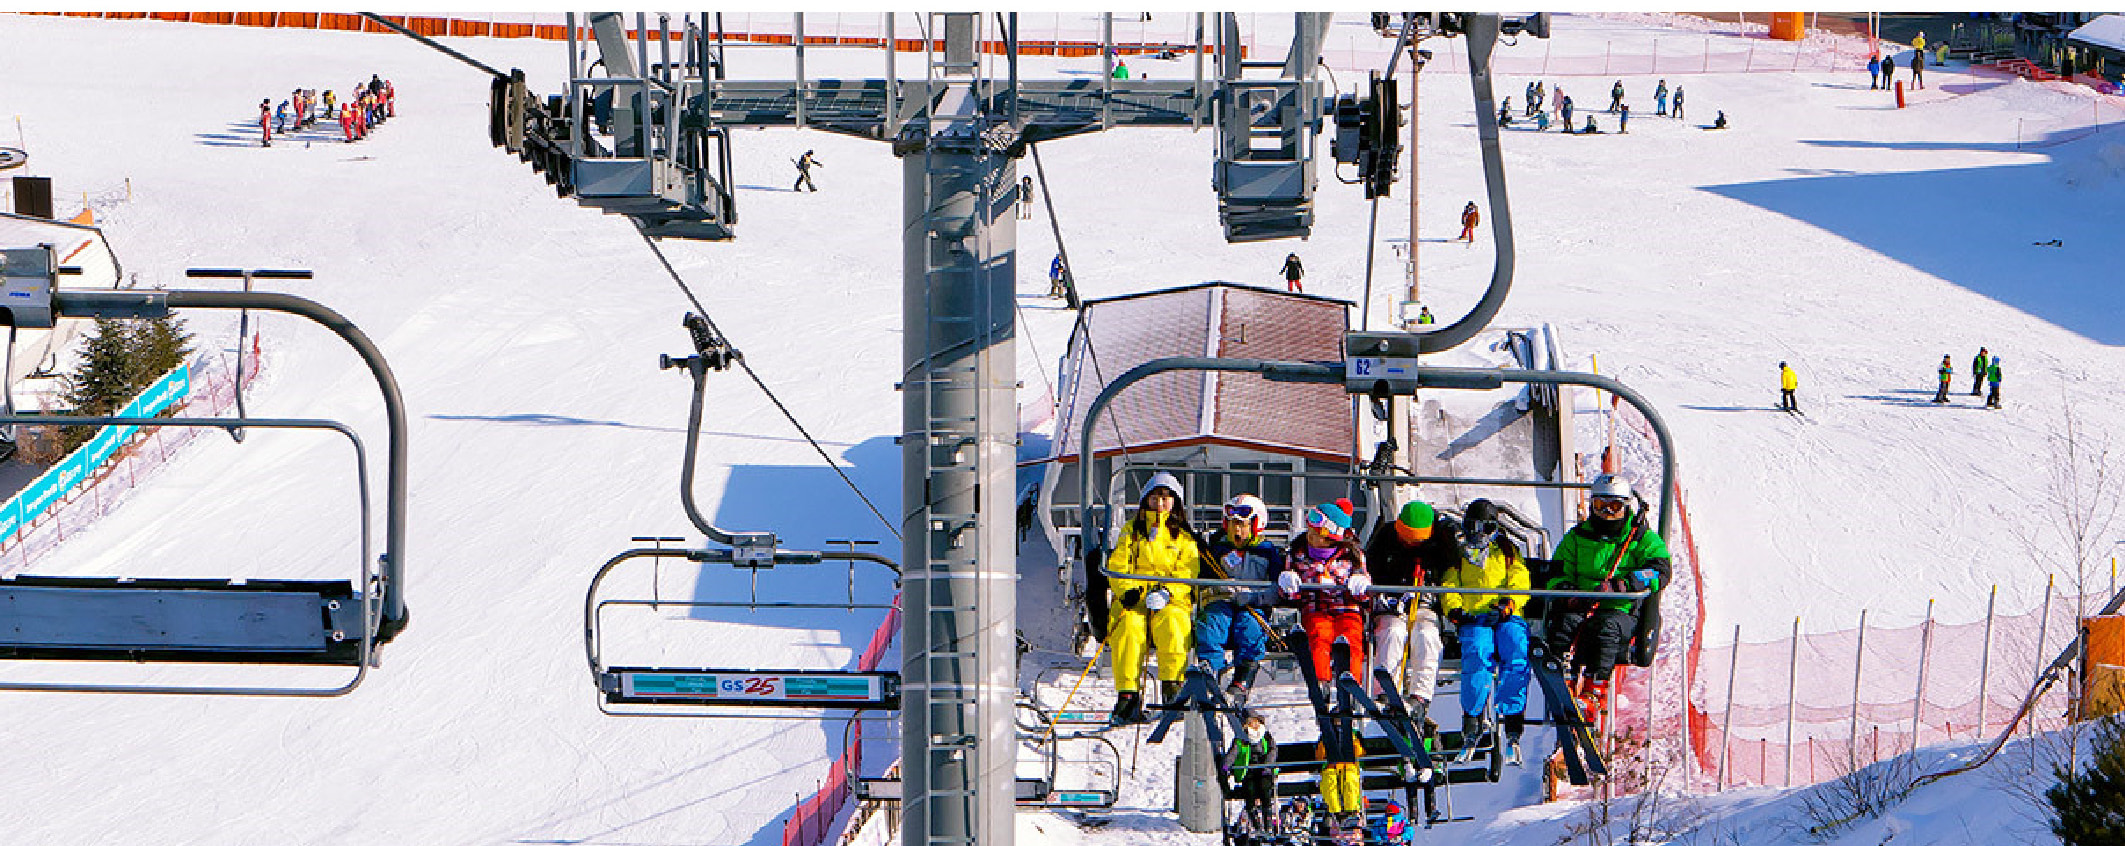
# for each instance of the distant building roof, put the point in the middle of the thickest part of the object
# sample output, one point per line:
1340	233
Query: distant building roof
2106	31
1175	409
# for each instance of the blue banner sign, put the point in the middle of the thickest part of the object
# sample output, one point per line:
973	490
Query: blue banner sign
33	500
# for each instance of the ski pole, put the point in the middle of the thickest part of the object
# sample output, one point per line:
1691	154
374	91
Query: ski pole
1080	683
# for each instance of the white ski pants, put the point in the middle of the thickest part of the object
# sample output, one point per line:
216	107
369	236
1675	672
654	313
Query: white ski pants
1413	659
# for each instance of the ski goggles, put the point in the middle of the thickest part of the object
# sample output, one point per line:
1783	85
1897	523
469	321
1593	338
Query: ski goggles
1610	507
1239	512
1315	519
1479	534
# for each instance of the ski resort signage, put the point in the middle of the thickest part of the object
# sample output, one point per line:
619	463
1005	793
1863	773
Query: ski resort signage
804	689
34	500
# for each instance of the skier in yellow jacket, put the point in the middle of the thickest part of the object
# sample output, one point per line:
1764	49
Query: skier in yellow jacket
1788	382
1156	542
1494	637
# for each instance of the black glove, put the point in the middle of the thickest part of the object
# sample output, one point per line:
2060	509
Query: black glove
1458	617
1132	597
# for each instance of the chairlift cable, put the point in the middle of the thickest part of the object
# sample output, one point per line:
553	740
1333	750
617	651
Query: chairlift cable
394	27
748	367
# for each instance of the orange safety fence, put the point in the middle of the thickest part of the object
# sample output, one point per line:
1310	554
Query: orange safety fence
440	26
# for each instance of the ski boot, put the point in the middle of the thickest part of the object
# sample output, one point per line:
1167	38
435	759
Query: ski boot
1168	691
1473	730
1593	701
1514	725
1128	708
1242	682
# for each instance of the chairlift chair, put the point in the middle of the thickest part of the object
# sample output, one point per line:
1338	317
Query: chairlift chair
207	621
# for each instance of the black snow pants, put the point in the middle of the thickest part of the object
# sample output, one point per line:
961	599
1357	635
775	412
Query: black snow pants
1596	640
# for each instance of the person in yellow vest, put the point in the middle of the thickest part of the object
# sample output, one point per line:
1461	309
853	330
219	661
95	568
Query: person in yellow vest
1788	382
1156	542
1919	43
1947	375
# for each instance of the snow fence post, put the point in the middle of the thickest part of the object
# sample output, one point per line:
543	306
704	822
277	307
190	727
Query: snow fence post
1858	652
1925	653
2043	624
1726	729
1792	694
1984	666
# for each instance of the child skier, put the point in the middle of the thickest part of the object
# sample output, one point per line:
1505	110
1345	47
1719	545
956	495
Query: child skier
1232	617
1251	766
1332	609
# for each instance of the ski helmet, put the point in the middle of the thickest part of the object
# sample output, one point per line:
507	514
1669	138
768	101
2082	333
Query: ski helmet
1610	484
1250	508
1479	526
1163	479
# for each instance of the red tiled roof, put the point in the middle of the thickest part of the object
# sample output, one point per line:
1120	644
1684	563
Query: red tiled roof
1185	407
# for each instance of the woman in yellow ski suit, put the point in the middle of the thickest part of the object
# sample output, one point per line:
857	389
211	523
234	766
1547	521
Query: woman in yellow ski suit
1157	542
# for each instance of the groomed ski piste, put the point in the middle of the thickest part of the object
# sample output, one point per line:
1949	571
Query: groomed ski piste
1828	229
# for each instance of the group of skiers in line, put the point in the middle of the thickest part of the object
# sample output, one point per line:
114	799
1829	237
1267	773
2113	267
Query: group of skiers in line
1984	370
372	103
1332	580
1539	107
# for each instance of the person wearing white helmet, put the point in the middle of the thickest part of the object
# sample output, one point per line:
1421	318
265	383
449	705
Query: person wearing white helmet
1231	618
1613	550
1156	542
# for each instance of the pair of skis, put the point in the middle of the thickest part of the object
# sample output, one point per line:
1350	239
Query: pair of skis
1395	720
1575	733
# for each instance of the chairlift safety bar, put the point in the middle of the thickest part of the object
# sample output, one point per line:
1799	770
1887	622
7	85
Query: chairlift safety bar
196	620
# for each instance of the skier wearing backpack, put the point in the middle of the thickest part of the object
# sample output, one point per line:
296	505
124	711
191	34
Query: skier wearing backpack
1611	551
1232	617
1494	637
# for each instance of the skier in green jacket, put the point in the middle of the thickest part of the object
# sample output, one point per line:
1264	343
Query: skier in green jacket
1612	551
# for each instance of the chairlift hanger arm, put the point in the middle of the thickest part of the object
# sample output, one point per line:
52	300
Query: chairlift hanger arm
68	303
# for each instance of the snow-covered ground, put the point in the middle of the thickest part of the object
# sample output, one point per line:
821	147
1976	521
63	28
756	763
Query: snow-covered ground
1857	241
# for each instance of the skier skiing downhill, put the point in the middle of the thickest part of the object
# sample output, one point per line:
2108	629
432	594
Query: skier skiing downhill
1325	556
1156	542
1417	548
1611	551
1293	272
1494	636
1470	216
1232	617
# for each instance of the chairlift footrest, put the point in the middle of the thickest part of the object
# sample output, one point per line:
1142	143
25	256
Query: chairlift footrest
75	618
763	688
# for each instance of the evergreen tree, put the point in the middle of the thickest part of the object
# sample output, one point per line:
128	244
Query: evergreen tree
2091	803
102	382
159	345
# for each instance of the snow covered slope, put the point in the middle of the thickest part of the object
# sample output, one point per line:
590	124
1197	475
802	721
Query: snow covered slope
1827	229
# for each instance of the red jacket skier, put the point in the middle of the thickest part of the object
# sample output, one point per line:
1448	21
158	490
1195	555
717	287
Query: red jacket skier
265	122
1325	555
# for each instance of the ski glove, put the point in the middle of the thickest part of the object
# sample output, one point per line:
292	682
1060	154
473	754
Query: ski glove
1646	579
1157	599
1289	582
1358	584
1133	596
